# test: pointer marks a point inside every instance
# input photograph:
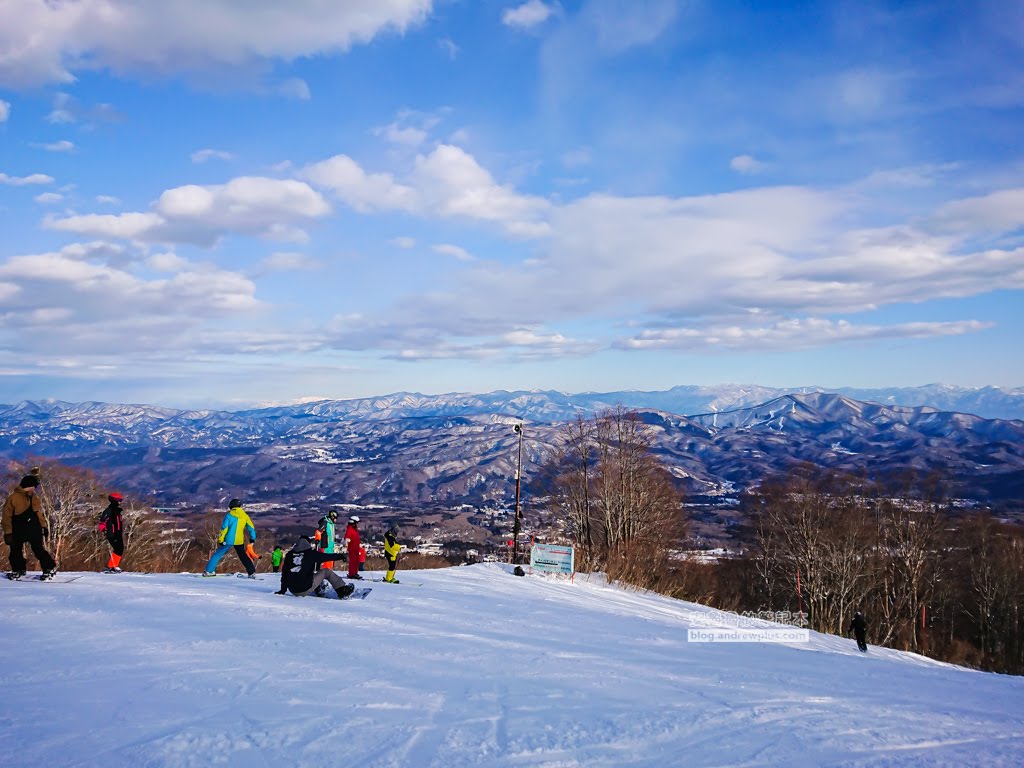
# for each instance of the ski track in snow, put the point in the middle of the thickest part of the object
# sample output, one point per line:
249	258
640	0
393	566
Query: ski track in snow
474	668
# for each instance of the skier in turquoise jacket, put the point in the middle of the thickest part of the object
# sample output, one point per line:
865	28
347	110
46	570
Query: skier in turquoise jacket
232	534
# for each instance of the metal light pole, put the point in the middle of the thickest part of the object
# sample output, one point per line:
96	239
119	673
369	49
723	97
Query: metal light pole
518	428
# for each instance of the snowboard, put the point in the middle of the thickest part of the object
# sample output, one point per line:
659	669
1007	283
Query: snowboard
58	579
359	594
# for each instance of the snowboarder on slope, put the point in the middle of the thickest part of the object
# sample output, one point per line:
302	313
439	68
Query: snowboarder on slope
24	523
232	534
352	543
326	538
112	527
302	572
859	628
391	550
276	557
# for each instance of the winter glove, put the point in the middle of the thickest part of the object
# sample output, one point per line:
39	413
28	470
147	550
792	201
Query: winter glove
9	539
46	532
103	528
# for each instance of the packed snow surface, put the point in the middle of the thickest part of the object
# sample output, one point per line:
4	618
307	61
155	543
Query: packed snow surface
472	667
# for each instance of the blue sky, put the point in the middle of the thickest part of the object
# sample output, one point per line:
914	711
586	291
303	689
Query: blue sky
215	203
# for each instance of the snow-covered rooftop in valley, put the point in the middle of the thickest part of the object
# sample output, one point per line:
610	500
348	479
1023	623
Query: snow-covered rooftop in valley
466	666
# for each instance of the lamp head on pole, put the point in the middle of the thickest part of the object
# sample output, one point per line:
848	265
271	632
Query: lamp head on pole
517	428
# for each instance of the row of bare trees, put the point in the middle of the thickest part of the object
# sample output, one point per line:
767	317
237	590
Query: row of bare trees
72	500
617	501
931	581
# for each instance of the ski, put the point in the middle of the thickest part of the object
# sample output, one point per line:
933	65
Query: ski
399	582
246	576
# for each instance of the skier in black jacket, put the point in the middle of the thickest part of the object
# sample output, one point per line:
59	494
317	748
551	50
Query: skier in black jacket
112	526
302	574
859	628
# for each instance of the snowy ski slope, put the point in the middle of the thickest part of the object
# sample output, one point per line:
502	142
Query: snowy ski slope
476	667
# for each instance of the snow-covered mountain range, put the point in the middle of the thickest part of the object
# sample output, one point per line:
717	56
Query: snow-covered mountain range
412	450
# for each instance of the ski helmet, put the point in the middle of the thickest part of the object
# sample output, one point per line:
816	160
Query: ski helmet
393	529
354	519
332	515
234	503
117	498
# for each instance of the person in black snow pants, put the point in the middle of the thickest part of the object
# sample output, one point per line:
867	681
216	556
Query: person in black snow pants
302	573
112	527
859	628
24	523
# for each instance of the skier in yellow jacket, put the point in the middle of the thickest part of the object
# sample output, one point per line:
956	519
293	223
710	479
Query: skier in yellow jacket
391	550
232	534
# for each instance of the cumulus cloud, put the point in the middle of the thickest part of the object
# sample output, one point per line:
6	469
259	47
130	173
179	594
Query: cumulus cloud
151	37
248	205
202	155
447	183
762	268
528	15
90	311
48	198
21	181
747	164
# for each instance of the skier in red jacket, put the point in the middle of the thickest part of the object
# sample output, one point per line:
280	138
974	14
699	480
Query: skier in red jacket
352	542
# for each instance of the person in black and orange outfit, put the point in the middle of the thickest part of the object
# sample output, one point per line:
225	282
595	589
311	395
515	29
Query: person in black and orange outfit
112	527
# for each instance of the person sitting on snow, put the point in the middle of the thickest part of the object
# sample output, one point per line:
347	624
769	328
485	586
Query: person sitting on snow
302	572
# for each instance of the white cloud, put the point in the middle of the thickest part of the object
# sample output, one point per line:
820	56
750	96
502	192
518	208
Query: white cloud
202	155
403	242
166	261
528	15
795	333
445	249
762	268
108	200
747	164
67	109
362	191
58	146
151	37
86	307
20	181
999	211
447	183
48	198
5	110
248	205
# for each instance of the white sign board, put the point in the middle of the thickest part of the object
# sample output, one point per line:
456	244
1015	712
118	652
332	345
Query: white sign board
553	558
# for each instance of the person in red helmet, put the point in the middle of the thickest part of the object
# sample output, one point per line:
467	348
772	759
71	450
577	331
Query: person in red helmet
112	527
352	543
